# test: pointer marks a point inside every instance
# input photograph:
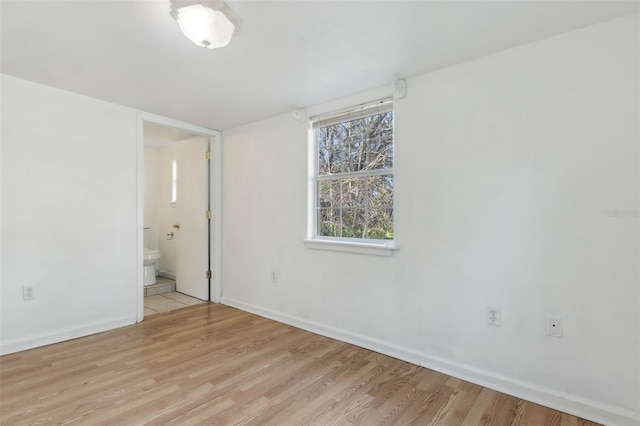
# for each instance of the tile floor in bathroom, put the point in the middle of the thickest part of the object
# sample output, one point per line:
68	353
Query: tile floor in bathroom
167	300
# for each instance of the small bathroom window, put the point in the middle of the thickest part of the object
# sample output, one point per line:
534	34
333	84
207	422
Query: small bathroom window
174	182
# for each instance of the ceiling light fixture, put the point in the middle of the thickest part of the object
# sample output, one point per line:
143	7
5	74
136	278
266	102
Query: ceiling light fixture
207	23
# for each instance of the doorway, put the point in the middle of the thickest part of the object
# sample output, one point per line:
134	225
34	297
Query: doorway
182	216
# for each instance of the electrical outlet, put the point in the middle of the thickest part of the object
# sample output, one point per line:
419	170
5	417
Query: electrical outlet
493	316
554	327
28	293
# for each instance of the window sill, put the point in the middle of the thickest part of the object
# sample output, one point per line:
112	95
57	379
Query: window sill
355	247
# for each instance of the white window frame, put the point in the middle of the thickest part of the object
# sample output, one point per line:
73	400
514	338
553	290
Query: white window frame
377	247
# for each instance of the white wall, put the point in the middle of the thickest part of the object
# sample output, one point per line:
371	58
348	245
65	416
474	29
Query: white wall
505	168
68	215
150	195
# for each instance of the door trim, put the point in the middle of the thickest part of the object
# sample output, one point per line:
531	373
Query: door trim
215	185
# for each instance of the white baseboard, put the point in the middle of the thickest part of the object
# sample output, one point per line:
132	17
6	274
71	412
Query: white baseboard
568	403
167	274
56	336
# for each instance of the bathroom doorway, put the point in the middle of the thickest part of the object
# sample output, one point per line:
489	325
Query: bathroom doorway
179	198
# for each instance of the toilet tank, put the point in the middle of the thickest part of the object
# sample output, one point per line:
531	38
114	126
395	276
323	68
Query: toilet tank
151	238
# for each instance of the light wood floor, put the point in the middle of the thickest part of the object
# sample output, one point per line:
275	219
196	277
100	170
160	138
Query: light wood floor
211	364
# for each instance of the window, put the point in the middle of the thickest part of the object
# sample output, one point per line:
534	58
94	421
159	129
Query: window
353	183
174	181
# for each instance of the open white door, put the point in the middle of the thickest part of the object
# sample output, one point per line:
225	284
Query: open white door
192	238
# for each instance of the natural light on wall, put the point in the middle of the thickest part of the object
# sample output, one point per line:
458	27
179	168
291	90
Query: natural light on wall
207	23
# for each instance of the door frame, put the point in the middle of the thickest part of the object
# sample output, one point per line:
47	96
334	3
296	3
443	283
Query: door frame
215	185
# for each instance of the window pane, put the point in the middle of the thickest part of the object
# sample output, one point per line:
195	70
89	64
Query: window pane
323	151
356	207
380	223
380	141
329	194
353	191
380	191
329	222
356	145
174	181
353	222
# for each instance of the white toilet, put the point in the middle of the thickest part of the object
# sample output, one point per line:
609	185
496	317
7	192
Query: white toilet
150	258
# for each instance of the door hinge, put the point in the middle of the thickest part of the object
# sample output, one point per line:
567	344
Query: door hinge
208	275
208	214
207	155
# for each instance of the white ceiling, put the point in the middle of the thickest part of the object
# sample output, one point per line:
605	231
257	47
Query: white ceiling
288	54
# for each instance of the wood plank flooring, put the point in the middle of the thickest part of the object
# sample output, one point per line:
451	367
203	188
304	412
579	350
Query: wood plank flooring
210	364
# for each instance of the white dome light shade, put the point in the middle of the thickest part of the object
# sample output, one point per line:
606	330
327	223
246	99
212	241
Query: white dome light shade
205	26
